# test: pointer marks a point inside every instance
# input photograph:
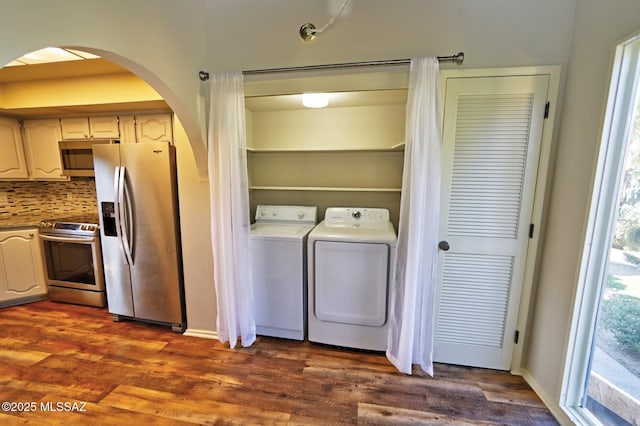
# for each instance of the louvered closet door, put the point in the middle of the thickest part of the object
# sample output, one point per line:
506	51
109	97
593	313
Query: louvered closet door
491	144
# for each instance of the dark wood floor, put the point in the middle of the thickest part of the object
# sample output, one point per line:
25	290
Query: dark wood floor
73	365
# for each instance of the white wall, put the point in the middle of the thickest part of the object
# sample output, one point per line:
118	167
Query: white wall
264	34
599	26
195	230
375	126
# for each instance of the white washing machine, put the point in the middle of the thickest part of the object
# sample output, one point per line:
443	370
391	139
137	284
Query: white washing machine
351	255
278	240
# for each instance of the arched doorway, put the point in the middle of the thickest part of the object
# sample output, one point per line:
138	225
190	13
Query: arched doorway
95	92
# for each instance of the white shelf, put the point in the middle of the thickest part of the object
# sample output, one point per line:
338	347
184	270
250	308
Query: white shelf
324	188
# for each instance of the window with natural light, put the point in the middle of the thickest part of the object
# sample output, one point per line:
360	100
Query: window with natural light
614	382
602	380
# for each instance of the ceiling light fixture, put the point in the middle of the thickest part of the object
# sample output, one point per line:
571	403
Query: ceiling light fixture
308	31
315	100
51	54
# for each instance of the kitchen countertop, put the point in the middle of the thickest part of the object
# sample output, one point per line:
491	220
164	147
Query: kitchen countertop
21	221
32	220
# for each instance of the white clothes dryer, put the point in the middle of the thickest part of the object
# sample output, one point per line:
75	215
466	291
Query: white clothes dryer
278	241
351	257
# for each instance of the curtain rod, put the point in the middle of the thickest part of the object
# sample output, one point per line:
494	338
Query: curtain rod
457	58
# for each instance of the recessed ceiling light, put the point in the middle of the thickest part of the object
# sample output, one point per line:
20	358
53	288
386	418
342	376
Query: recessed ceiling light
315	100
51	54
83	55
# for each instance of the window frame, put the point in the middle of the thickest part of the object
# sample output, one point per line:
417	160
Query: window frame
618	119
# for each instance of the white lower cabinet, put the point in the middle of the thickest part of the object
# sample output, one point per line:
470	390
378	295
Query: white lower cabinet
22	276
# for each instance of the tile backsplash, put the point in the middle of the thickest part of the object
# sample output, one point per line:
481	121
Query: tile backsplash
57	198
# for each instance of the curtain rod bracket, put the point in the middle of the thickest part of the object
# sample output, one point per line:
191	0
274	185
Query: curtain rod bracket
204	76
457	58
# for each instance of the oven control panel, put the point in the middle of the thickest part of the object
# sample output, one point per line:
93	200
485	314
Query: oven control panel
68	228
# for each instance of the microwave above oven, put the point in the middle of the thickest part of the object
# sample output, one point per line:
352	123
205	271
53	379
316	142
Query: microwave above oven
77	156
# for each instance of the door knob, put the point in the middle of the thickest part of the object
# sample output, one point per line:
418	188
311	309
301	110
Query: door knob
443	245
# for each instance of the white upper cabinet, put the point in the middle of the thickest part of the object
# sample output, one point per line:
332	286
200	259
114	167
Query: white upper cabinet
104	127
41	148
127	129
75	128
154	128
90	128
12	161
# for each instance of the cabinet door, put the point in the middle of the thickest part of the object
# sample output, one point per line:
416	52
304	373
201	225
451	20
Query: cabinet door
154	128
21	267
75	128
41	148
127	129
12	161
104	127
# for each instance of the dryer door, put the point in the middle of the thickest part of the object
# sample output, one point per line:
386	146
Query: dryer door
351	282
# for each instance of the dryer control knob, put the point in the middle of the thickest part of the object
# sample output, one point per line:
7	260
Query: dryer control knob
356	214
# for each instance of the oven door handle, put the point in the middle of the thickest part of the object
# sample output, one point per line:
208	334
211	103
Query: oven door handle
66	239
121	231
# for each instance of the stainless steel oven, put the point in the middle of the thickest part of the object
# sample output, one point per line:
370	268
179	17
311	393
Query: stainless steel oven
73	260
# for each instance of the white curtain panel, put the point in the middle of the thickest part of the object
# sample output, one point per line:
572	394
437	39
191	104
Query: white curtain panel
229	195
412	316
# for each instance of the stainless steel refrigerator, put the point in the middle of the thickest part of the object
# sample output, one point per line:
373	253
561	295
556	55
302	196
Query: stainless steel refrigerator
138	209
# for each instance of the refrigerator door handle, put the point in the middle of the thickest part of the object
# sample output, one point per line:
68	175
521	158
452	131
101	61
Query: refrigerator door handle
127	214
116	207
119	185
126	218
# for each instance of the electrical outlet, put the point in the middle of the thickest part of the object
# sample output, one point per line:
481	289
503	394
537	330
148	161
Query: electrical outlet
4	197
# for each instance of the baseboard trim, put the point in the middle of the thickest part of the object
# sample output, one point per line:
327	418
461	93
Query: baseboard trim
204	334
23	300
552	405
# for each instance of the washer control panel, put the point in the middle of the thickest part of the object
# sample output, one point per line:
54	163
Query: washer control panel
355	216
269	213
